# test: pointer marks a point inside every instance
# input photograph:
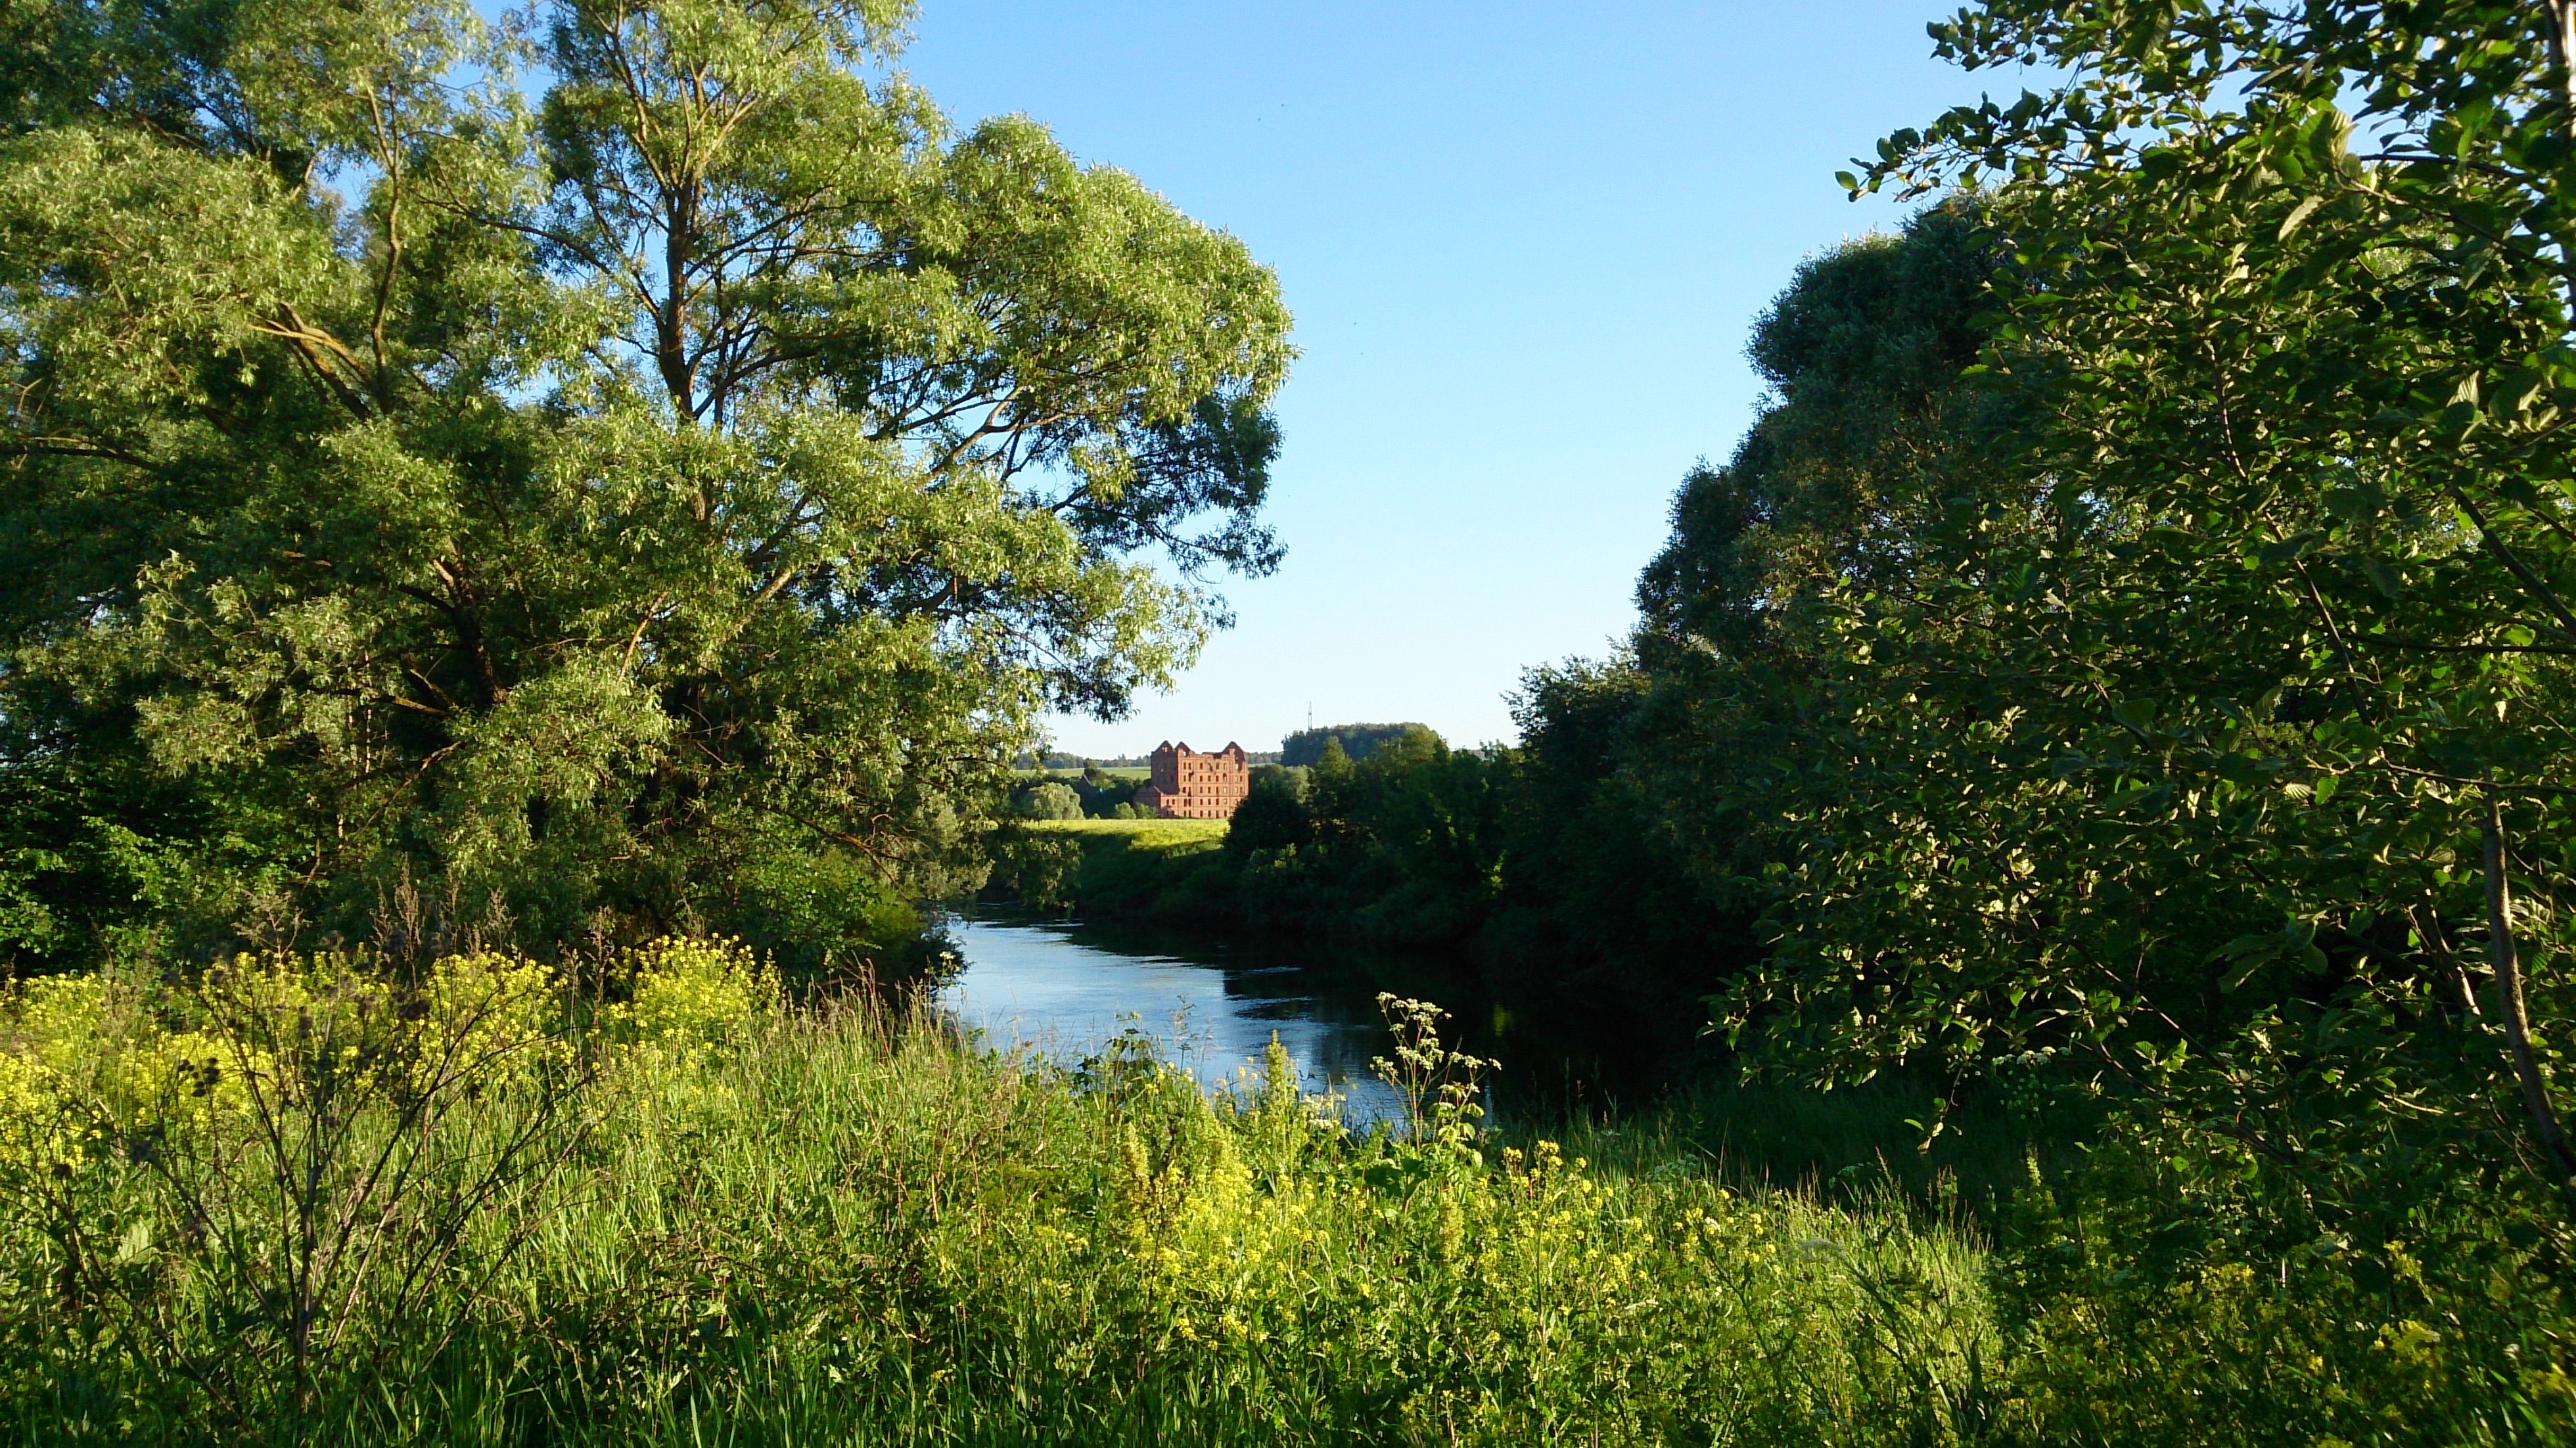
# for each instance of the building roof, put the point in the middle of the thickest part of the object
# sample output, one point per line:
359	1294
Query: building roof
1231	747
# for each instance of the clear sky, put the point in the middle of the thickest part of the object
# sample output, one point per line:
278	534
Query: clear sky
1523	244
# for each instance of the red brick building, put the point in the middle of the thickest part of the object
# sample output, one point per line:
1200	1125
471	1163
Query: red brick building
1188	785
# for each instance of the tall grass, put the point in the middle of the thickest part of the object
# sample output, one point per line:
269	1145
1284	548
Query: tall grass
303	1202
699	1216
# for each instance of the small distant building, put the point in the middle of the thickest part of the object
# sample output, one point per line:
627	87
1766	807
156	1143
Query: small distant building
1188	785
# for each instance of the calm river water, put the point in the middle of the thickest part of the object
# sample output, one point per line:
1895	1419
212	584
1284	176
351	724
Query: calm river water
1065	991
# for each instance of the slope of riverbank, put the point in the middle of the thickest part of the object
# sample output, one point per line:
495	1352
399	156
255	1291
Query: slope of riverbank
697	1216
301	1203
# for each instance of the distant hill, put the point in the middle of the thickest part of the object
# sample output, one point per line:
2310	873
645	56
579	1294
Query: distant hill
1359	741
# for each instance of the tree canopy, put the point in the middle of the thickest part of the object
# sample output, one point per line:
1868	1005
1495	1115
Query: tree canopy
660	492
2129	650
2247	702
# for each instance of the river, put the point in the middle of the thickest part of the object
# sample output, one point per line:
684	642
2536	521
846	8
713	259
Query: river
1065	991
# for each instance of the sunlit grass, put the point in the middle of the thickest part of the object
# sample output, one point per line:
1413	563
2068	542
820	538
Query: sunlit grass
728	1221
653	1202
1168	836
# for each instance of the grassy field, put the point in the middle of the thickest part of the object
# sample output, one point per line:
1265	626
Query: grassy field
300	1202
1114	866
1169	836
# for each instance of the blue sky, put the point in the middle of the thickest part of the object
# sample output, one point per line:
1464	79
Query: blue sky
1523	245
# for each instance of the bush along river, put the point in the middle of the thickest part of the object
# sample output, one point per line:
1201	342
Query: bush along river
1068	990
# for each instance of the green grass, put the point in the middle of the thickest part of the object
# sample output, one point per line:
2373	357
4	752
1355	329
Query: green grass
743	1224
1166	836
300	1203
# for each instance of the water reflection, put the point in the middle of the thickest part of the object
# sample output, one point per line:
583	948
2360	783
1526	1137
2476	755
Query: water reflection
1066	992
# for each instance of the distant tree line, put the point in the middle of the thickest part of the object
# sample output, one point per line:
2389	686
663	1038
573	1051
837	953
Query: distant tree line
1359	741
1095	793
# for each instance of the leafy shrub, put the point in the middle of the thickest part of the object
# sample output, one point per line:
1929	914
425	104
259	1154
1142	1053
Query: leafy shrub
1050	800
1034	869
255	1191
688	999
2168	1293
1272	816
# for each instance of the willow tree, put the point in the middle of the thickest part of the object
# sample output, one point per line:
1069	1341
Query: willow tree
662	491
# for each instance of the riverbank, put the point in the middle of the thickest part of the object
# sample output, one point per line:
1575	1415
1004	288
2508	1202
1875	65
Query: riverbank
496	1215
1625	1024
1155	871
301	1203
1208	1002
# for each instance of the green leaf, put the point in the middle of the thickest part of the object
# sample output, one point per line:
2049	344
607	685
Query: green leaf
2382	575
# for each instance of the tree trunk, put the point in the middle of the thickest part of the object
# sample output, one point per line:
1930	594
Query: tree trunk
2511	1011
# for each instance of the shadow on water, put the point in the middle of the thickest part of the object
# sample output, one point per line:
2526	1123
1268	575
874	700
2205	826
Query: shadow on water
1210	1004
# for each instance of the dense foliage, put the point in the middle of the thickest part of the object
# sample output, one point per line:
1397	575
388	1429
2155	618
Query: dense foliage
2218	741
444	509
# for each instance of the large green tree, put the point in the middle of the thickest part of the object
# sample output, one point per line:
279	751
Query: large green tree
1665	790
2221	741
662	491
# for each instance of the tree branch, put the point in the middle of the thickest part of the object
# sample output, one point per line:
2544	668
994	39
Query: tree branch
2532	581
2507	959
